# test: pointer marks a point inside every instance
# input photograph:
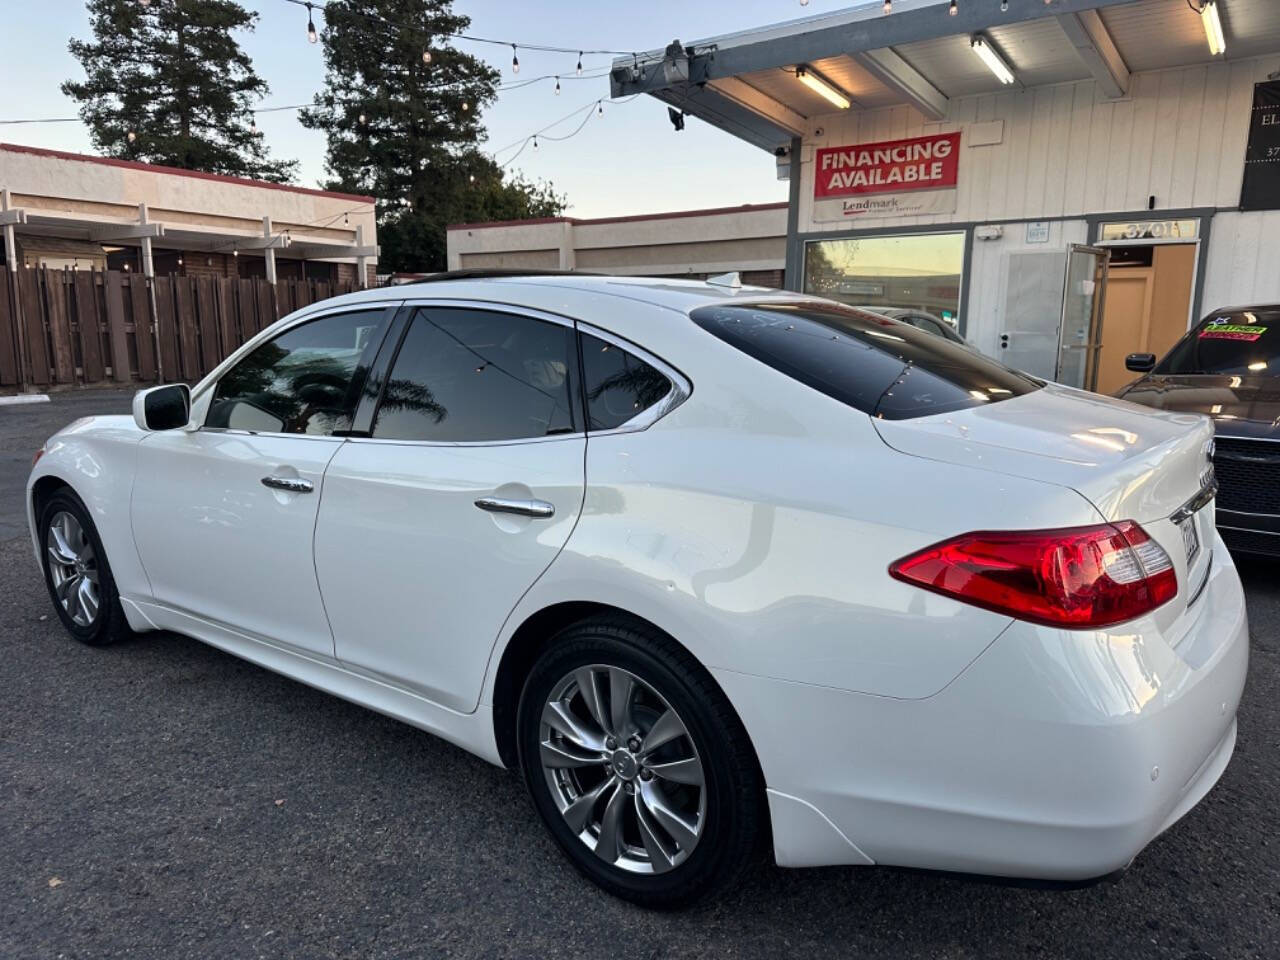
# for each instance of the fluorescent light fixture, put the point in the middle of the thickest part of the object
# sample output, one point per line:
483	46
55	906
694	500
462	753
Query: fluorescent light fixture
987	54
821	87
1213	27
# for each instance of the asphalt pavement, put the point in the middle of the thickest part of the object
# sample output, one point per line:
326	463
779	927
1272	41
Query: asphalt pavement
159	798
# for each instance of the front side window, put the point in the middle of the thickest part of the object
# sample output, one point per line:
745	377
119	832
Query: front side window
306	380
877	365
1243	343
465	375
619	385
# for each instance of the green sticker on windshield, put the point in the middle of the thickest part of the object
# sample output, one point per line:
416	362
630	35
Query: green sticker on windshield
1233	331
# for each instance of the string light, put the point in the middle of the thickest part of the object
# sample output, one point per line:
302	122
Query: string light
465	106
312	36
557	86
888	7
953	9
363	119
1004	6
535	141
426	56
515	59
804	3
599	108
579	63
132	136
472	178
253	127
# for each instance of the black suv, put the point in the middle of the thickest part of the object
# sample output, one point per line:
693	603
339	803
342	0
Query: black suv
1228	368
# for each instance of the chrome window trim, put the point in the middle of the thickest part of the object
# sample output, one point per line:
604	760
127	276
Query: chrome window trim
681	388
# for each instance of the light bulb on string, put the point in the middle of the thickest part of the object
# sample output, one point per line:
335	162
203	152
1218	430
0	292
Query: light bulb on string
557	86
144	3
471	178
579	63
465	106
426	56
515	59
131	136
1004	6
363	119
312	36
804	3
888	7
599	108
953	9
535	141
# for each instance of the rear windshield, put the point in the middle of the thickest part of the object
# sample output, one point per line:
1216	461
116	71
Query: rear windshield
1240	342
880	366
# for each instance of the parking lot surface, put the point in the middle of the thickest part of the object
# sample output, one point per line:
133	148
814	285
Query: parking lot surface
163	799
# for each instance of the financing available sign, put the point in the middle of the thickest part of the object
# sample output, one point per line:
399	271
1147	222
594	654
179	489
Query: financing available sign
890	178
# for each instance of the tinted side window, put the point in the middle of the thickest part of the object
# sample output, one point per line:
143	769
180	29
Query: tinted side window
475	375
876	365
618	384
304	381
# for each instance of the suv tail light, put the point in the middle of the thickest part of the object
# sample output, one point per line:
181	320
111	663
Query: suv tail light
1079	577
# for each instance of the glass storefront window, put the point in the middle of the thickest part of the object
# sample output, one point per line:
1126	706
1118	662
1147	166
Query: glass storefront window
911	271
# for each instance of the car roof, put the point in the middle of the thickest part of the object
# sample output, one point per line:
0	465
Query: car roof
539	289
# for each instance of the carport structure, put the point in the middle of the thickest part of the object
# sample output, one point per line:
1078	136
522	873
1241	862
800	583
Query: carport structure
1122	126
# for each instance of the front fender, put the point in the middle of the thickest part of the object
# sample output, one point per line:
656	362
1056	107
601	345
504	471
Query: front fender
97	458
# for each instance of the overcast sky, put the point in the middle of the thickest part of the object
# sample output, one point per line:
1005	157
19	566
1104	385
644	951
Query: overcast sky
629	161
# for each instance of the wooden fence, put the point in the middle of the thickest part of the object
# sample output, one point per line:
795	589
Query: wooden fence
89	327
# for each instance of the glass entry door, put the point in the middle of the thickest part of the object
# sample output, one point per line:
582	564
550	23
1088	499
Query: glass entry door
1080	334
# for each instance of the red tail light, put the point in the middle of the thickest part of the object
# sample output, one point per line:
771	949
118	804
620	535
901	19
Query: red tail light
1079	577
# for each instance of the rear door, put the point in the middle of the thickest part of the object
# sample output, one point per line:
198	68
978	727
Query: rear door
463	480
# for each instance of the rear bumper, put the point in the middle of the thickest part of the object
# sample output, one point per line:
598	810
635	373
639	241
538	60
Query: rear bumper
1056	755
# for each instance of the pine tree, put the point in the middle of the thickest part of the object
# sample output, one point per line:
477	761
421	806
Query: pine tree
167	83
401	107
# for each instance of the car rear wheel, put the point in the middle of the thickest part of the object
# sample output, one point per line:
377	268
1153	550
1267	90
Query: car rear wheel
77	573
638	764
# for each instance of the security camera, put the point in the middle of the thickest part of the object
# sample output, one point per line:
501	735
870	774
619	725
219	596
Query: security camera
677	118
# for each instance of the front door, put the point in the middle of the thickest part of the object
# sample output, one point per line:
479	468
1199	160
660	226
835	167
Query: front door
469	482
224	516
1080	334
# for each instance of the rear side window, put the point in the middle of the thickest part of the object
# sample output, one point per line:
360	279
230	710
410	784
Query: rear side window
476	375
619	385
880	366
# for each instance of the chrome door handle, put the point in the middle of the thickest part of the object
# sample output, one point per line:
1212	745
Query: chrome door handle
290	484
539	509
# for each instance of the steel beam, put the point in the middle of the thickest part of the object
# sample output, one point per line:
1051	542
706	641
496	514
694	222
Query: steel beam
897	74
126	231
848	33
1088	34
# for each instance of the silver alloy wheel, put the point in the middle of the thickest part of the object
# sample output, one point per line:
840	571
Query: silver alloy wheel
73	568
623	770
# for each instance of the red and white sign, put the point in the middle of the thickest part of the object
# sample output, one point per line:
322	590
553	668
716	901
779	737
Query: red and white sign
889	178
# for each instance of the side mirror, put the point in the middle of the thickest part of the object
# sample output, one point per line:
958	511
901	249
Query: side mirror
162	408
1140	362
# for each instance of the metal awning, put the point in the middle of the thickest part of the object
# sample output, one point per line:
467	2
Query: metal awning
747	83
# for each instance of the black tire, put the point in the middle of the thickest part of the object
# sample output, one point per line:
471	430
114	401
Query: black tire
734	788
108	624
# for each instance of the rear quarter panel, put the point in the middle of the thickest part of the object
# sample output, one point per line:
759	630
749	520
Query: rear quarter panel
756	524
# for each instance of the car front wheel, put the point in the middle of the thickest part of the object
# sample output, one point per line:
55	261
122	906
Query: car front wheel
638	764
77	573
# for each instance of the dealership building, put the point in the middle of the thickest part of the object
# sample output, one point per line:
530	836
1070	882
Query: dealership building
1066	181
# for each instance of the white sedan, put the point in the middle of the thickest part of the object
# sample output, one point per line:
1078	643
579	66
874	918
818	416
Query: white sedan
719	569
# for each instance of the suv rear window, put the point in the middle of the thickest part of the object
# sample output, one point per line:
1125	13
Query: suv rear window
880	366
1242	342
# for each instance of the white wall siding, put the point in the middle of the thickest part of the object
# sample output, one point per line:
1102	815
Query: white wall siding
1244	260
1179	136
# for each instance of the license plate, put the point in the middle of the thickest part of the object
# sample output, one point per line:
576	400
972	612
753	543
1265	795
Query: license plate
1190	539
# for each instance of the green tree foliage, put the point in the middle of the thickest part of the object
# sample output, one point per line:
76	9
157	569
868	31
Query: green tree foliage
168	83
407	131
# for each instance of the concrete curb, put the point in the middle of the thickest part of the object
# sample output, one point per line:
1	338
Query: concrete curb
22	398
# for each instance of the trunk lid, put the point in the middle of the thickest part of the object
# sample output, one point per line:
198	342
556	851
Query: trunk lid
1130	462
